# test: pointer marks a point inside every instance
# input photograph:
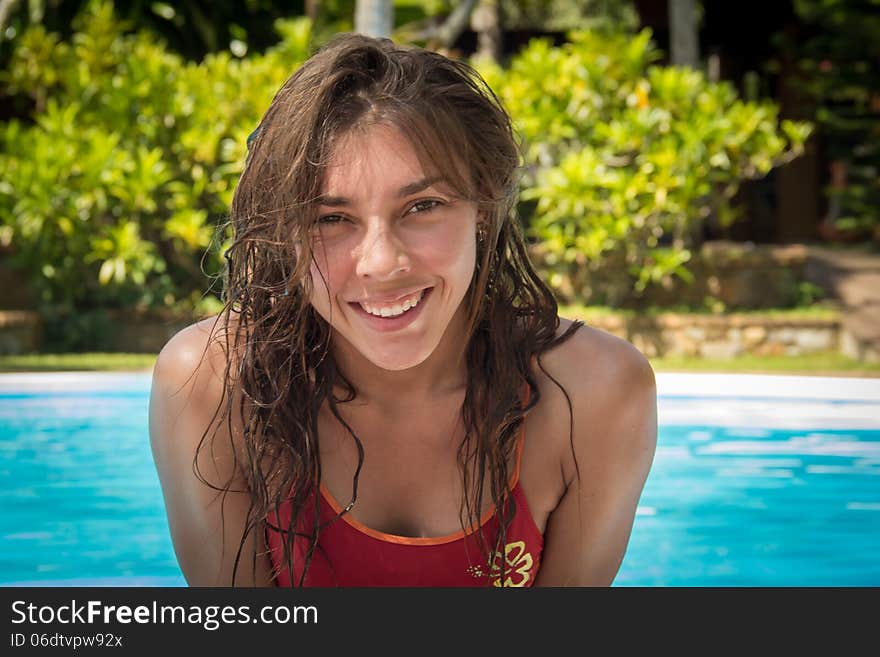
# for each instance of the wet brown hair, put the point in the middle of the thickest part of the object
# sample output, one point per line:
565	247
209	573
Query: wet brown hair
279	358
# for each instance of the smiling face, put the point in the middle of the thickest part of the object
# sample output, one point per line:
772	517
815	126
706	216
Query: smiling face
394	252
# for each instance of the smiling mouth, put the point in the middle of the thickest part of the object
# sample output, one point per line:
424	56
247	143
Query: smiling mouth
398	308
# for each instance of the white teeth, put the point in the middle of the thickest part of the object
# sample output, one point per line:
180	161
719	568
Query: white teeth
397	309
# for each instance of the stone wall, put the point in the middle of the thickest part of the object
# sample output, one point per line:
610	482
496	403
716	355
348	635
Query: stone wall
146	334
739	275
21	332
723	336
667	334
17	292
742	275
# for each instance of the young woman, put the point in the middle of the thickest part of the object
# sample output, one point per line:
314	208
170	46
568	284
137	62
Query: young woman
389	397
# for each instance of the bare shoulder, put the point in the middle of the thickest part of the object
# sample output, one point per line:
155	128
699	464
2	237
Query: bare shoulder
198	459
188	394
190	389
594	360
194	357
608	383
606	439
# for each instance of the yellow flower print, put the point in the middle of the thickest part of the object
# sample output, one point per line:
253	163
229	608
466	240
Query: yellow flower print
518	567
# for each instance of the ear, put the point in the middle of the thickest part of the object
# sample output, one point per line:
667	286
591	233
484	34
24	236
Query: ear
482	221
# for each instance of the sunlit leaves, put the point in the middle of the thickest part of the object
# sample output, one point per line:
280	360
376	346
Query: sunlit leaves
113	194
625	158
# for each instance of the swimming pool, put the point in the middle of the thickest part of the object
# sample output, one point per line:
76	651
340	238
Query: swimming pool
757	481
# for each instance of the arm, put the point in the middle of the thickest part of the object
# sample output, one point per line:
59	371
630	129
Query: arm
184	396
614	438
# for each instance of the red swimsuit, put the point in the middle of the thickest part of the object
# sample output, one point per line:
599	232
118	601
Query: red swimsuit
351	554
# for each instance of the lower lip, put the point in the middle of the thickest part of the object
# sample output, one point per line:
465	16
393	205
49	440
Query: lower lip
393	323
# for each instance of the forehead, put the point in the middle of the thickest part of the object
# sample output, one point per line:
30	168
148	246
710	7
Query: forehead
376	156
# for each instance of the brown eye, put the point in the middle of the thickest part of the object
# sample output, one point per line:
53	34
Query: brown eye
423	206
330	219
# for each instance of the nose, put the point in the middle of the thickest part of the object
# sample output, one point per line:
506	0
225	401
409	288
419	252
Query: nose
381	254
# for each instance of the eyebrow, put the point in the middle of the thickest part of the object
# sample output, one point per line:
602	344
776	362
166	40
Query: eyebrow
406	190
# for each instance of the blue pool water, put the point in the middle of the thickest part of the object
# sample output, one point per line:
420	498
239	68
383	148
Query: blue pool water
757	481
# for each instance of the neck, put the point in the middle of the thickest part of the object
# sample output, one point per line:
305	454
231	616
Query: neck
444	372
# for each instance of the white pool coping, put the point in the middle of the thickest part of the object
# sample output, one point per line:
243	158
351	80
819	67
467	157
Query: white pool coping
35	382
795	403
769	386
740	400
668	383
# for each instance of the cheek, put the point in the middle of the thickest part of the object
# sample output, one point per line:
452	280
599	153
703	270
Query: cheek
450	239
457	252
326	270
322	286
321	275
466	261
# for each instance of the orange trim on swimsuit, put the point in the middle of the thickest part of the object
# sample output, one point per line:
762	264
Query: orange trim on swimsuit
430	540
351	554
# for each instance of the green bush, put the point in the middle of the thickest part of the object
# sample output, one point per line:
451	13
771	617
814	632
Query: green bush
113	190
625	159
112	194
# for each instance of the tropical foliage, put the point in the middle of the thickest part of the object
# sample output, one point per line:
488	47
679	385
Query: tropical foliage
112	194
625	158
115	183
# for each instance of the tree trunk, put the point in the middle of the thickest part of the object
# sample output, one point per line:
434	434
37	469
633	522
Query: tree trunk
374	17
6	9
312	10
683	37
485	21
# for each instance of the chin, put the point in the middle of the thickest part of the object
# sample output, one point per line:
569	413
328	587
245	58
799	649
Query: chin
396	362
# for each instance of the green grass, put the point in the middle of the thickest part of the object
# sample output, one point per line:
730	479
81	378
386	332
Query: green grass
815	364
95	362
587	313
822	363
